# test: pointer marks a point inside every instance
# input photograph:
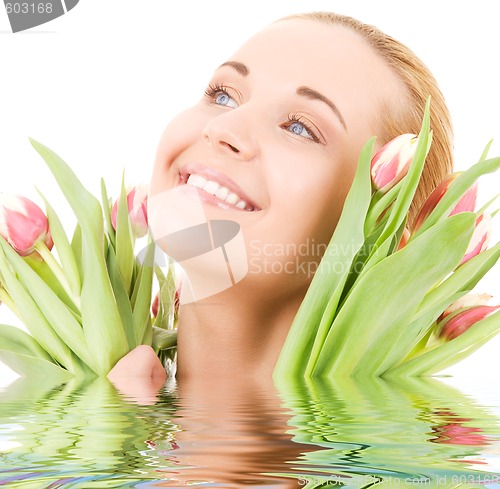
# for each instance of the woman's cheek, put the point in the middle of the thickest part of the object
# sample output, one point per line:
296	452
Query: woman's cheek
179	135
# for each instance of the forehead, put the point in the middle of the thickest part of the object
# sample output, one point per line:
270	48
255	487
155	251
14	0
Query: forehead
329	58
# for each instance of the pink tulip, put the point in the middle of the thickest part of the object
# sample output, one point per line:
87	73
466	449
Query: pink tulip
137	201
459	434
155	305
391	162
480	237
465	301
466	204
23	224
457	323
156	302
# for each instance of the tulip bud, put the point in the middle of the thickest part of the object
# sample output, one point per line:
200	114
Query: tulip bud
480	237
468	300
457	323
404	239
137	199
155	305
23	224
156	302
467	203
391	162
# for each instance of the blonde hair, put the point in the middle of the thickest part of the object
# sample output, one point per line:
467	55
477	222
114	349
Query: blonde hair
401	117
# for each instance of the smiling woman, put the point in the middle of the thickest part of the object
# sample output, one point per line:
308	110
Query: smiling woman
273	145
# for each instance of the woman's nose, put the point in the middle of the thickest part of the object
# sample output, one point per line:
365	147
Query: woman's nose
231	135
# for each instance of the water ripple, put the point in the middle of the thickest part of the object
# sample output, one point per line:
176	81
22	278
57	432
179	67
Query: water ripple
234	434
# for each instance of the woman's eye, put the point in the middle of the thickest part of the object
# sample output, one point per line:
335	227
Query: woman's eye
219	95
299	129
222	98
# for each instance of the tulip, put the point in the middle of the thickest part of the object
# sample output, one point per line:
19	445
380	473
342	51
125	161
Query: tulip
404	239
23	224
467	203
457	323
466	301
156	302
459	434
391	162
177	299
480	237
155	305
137	200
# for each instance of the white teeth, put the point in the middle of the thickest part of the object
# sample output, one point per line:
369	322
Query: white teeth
196	180
219	191
232	198
211	187
222	193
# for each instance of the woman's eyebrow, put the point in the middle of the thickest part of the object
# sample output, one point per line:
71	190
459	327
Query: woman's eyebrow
241	68
314	95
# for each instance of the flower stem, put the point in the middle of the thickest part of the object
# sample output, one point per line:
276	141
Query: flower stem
7	300
57	270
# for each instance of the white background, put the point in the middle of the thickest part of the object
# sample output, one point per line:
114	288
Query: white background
98	85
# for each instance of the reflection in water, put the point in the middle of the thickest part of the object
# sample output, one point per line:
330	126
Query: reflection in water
230	434
403	435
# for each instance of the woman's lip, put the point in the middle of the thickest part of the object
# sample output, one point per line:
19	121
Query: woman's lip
221	179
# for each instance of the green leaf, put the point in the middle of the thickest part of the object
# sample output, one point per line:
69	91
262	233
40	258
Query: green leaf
402	196
455	191
23	354
488	204
379	204
463	279
399	210
124	241
459	283
360	260
166	316
29	310
54	312
142	306
63	247
339	296
384	296
104	332
486	150
47	275
451	351
76	246
106	207
16	340
394	346
345	243
163	339
122	299
36	368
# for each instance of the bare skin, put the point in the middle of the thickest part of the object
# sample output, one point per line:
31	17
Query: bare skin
284	121
139	375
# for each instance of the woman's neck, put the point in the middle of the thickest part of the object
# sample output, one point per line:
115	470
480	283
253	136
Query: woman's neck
225	336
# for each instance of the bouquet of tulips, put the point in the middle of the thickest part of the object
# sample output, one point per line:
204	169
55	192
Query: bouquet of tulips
382	302
91	305
395	303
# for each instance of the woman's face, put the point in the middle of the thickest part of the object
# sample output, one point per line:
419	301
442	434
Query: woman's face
273	143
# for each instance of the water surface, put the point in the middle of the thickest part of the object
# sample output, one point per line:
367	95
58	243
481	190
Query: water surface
234	434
